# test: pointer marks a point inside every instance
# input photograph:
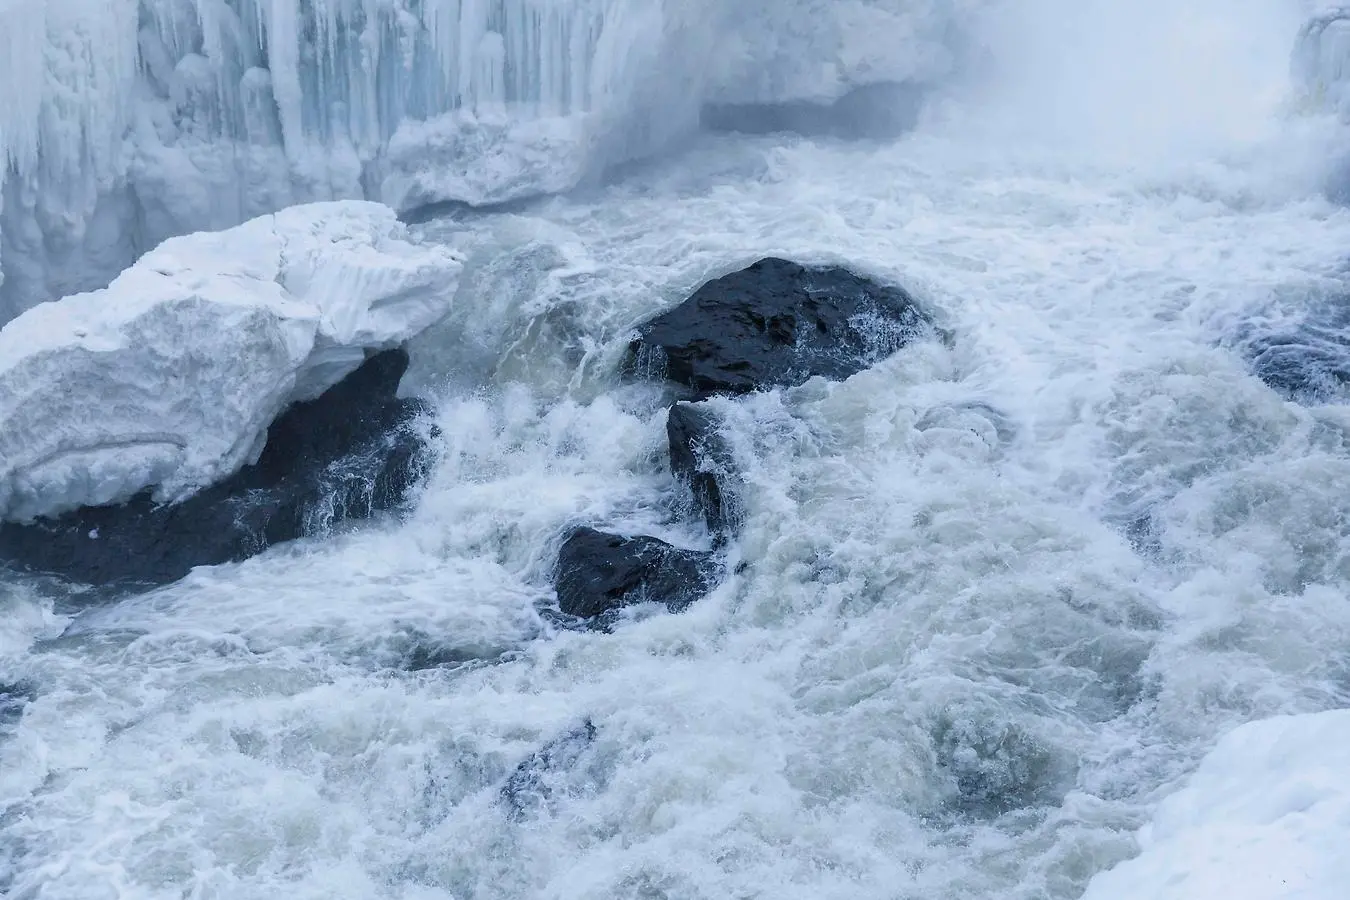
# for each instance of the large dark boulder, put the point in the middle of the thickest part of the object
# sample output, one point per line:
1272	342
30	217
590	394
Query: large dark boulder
599	573
348	454
701	459
777	323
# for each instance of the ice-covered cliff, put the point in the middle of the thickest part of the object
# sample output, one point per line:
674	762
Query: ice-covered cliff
123	122
169	377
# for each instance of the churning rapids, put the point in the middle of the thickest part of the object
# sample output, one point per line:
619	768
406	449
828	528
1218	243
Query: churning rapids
993	600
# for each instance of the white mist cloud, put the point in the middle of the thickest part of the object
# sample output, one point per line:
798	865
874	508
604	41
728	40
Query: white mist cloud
1137	80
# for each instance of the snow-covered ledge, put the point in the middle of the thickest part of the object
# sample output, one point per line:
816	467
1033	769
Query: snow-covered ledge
170	376
1266	817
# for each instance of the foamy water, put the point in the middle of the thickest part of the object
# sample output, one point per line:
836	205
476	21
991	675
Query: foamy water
992	599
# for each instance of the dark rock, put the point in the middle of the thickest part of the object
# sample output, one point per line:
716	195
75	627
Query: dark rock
598	573
345	455
874	111
777	323
700	458
532	786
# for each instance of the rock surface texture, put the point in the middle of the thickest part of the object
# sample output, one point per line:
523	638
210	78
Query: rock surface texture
599	573
701	459
776	324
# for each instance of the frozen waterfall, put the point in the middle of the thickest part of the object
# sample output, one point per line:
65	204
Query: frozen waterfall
123	122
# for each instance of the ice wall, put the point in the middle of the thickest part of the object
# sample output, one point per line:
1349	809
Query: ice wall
123	122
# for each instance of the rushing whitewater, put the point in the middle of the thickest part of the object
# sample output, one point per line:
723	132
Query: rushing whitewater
996	603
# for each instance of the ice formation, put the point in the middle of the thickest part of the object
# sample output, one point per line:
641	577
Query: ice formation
1266	817
170	376
1321	62
123	122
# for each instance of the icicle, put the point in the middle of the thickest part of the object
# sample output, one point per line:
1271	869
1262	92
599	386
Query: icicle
283	60
23	36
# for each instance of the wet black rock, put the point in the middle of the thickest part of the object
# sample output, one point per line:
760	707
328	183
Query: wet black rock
346	455
598	573
874	111
534	784
700	458
777	323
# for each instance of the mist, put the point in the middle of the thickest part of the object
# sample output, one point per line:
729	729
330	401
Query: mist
1132	82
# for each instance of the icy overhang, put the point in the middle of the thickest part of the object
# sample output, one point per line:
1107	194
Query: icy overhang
169	377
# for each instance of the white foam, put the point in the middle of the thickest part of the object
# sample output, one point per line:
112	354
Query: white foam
169	377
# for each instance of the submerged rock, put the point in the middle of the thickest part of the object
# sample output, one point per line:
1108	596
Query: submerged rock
776	324
700	458
345	455
531	788
598	573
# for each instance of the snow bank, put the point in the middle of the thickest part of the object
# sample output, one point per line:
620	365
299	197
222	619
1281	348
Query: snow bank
170	376
1266	817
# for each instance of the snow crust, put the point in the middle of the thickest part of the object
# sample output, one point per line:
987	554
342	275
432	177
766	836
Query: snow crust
124	122
170	376
1266	817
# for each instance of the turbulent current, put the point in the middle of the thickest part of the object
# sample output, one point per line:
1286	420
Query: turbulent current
994	598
